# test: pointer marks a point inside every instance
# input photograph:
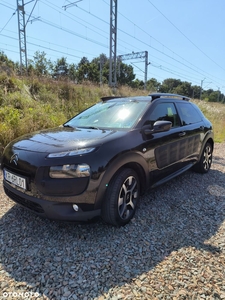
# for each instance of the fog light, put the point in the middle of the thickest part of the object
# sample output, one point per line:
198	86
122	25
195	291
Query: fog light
75	207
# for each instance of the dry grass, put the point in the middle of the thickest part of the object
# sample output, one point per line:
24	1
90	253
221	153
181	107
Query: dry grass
215	112
30	104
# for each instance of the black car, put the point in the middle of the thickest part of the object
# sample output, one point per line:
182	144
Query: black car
102	160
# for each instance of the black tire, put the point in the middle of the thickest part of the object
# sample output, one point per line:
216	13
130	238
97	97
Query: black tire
205	161
121	198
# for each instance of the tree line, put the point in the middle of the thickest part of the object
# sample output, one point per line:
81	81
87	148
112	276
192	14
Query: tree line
97	72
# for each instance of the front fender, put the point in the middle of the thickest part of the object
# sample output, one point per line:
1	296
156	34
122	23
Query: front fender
131	160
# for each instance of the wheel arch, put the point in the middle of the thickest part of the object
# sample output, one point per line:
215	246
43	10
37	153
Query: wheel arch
140	172
208	139
133	161
204	162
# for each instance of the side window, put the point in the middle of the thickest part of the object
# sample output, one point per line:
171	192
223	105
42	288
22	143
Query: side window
188	113
164	112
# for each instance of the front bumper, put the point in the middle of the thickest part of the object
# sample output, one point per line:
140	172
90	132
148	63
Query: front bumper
51	209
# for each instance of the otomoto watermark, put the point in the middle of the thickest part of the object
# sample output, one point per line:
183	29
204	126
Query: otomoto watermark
22	295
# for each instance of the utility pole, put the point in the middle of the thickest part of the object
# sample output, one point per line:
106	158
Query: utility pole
113	43
201	89
218	95
101	62
22	33
223	96
146	69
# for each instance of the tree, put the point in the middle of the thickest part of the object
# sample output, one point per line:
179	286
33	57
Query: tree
83	69
126	74
102	66
184	89
6	65
152	85
196	91
101	59
41	64
137	84
72	72
94	73
213	97
61	67
169	85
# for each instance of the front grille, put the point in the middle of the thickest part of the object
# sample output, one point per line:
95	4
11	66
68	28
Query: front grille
24	202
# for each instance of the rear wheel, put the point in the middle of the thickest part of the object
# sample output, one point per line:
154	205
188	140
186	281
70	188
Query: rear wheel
205	162
121	198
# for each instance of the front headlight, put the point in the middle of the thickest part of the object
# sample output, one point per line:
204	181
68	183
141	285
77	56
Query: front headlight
70	171
70	153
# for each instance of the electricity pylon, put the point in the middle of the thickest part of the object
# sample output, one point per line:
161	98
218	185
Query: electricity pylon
113	43
22	33
135	55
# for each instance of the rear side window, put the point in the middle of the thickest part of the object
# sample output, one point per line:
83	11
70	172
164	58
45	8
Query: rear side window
188	113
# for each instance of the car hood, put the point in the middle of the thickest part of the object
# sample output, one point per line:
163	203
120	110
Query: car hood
61	138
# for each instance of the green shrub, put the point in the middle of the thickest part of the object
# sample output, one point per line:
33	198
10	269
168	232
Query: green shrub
31	104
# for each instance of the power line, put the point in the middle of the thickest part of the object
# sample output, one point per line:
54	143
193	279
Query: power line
146	44
186	36
81	20
102	32
161	43
8	21
73	33
45	47
169	56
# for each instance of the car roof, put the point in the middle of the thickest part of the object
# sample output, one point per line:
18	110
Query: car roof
150	97
168	95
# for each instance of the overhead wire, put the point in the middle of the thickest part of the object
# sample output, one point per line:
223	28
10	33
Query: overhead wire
81	22
56	26
74	33
71	16
186	36
48	48
8	21
193	66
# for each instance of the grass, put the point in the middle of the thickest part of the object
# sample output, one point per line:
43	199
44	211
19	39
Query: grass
215	112
30	104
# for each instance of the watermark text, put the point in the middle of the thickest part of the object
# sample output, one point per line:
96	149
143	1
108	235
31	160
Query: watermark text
23	295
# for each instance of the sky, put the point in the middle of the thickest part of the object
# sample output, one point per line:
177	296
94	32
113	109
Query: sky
185	39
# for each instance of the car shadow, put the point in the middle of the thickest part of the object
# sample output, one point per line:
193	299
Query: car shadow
89	259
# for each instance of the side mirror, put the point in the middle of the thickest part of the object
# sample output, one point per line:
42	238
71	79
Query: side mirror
159	126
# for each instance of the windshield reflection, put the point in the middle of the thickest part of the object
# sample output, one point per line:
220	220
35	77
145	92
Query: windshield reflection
110	114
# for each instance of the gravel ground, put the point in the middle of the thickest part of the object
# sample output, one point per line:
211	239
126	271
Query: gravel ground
173	249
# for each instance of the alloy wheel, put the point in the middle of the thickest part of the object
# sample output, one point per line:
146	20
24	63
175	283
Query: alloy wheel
207	158
128	197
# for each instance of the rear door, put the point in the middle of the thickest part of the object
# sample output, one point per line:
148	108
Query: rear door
193	127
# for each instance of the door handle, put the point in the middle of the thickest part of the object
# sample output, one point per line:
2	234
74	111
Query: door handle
183	133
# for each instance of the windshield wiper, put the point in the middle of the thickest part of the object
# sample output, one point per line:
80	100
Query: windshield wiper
93	127
66	125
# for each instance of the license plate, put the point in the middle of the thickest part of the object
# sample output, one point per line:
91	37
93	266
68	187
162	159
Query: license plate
15	179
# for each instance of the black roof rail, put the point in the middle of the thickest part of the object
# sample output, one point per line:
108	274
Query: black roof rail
106	98
165	95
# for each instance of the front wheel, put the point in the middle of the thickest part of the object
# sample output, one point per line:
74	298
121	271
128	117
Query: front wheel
121	198
205	162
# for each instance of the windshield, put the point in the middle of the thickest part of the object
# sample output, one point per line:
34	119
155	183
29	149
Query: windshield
110	114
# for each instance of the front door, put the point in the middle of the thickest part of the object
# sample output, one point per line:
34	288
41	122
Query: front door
166	152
